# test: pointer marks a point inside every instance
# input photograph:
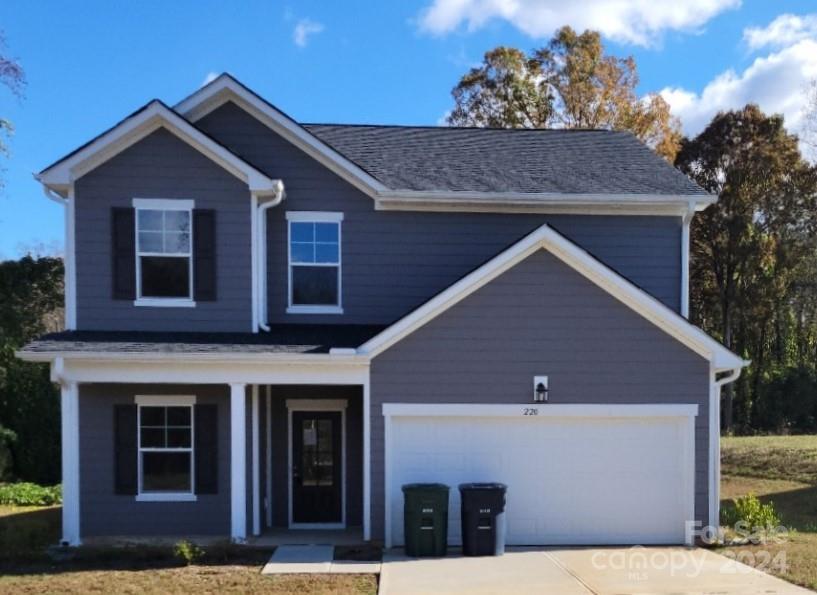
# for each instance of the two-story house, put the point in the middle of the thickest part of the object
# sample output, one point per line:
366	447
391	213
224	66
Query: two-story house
274	326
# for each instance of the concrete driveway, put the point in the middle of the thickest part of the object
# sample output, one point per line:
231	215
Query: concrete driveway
581	571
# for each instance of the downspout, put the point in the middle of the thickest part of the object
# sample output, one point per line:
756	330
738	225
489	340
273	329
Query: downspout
69	282
715	441
685	223
261	298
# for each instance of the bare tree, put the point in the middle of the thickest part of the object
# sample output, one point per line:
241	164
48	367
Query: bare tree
13	77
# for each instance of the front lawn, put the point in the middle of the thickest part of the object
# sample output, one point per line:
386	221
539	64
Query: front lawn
25	567
782	470
791	458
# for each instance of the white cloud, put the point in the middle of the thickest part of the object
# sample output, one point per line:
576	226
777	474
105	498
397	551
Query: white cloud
638	22
211	76
776	82
304	29
785	30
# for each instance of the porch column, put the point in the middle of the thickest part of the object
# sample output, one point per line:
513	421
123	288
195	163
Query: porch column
256	462
70	463
238	462
367	463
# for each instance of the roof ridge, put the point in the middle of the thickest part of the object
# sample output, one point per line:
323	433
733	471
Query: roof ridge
433	127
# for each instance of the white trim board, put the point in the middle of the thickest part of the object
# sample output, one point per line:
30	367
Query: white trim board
538	410
212	372
226	89
153	116
546	238
317	405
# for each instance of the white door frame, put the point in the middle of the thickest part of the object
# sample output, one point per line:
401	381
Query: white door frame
688	411
328	405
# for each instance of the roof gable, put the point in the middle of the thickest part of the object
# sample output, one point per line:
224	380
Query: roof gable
546	238
226	89
146	120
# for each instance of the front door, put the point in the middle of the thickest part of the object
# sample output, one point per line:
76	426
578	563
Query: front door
316	467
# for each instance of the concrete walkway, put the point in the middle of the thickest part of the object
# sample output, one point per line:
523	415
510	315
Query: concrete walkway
581	571
313	559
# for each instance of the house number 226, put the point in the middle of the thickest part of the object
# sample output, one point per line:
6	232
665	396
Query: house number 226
530	411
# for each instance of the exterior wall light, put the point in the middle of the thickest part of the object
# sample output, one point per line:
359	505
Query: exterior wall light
540	389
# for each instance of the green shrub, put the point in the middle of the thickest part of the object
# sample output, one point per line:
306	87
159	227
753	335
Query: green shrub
188	552
750	517
30	494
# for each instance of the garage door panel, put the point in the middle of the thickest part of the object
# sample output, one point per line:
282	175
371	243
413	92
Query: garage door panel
570	480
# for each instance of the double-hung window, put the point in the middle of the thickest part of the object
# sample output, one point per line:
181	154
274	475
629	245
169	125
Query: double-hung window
165	446
314	262
164	255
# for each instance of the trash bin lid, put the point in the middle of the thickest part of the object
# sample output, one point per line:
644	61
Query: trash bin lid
484	486
437	487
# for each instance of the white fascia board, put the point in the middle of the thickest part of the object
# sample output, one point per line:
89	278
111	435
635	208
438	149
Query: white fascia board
542	410
120	372
394	198
579	260
225	88
527	207
133	129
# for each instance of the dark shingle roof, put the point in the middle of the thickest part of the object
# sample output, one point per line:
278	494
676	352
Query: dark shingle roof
285	338
503	160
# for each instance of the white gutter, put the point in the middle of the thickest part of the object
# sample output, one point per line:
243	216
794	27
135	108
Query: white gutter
261	250
685	223
51	195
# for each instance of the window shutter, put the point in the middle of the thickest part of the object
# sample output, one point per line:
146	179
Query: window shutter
206	448
123	238
125	449
204	255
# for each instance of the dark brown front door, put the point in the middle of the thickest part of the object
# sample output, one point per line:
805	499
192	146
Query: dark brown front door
316	467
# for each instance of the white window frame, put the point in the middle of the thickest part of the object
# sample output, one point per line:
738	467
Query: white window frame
162	204
314	217
165	401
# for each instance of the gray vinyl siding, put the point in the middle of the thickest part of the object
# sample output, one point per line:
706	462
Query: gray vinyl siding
105	513
281	439
394	261
162	166
540	317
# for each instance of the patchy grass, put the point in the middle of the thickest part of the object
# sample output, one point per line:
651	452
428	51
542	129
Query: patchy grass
791	458
782	470
26	531
187	579
25	566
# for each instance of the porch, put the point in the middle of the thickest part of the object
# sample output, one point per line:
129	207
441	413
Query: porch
292	452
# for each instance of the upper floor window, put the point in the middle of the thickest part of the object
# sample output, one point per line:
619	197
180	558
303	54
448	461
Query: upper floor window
314	262
164	255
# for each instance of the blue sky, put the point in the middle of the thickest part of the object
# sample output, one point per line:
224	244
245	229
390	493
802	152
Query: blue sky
90	63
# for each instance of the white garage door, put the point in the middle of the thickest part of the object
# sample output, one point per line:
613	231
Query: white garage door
575	474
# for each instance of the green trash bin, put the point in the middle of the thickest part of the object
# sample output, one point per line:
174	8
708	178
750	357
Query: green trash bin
425	519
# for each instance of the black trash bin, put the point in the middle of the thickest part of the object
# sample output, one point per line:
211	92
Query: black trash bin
425	519
482	509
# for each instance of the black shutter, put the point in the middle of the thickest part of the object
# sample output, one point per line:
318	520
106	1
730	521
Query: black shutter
204	255
125	468
123	250
206	449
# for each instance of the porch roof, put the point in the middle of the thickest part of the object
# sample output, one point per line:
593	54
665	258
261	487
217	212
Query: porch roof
282	338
